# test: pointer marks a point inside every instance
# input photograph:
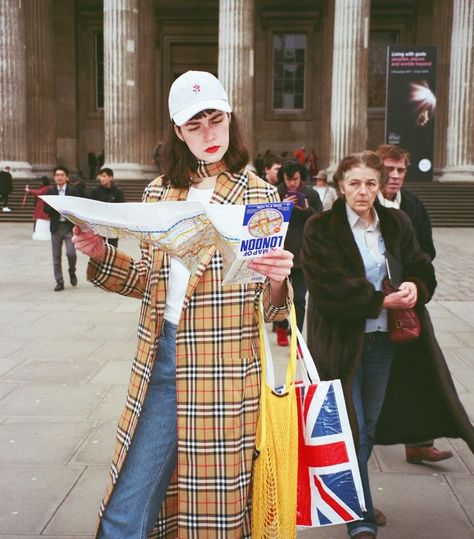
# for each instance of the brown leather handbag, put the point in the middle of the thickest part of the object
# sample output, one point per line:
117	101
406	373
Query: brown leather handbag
403	324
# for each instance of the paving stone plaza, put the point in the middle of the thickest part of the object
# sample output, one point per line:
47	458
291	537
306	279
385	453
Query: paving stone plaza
64	365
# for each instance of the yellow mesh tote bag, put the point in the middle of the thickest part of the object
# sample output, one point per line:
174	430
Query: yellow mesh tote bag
276	467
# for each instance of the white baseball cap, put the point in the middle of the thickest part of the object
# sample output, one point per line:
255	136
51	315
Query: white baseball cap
193	92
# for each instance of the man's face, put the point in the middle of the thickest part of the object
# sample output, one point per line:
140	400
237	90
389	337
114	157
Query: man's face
60	177
321	182
293	183
105	180
396	171
271	173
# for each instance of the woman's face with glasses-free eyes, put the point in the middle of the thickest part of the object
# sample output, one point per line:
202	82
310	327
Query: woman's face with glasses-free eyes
207	137
360	186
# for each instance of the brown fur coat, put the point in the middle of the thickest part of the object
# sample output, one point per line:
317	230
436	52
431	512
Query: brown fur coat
421	401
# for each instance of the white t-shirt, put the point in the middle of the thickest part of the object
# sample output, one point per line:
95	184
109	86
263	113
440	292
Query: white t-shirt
395	203
62	193
179	273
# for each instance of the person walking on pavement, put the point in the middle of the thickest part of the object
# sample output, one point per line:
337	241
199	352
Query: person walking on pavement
192	405
395	393
41	229
394	195
6	187
108	192
61	230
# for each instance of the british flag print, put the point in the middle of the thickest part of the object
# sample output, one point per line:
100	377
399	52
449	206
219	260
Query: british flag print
329	485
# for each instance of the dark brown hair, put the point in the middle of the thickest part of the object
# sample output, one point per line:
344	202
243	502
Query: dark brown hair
290	168
390	151
107	170
63	169
272	159
179	161
367	159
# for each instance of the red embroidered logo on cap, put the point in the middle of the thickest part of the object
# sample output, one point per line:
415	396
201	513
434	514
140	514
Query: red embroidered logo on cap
196	88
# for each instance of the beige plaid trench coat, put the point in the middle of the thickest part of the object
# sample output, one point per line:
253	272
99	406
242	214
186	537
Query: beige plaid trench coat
217	370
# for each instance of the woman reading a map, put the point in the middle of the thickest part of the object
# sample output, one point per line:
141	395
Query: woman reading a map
183	459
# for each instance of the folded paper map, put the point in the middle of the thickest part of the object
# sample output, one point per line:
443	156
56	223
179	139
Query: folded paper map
187	230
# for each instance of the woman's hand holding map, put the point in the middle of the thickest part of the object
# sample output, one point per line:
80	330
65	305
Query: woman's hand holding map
92	245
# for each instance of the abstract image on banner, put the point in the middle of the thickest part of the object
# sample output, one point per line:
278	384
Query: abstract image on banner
411	105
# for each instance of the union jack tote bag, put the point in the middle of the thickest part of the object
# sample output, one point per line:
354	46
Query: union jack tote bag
329	484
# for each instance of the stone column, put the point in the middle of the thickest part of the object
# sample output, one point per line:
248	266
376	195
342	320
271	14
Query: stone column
459	146
40	86
442	23
236	61
13	131
66	83
121	76
327	28
146	87
349	79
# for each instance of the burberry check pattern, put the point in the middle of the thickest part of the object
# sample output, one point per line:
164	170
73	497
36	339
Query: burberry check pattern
217	371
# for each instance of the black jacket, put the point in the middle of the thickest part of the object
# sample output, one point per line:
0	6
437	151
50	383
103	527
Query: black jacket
6	183
53	214
420	220
421	401
294	236
107	194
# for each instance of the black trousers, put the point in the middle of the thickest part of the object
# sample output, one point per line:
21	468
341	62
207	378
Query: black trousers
4	197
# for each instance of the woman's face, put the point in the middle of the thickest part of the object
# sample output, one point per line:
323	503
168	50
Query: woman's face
207	137
360	186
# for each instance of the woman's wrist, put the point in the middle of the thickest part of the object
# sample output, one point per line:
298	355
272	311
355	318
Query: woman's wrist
278	292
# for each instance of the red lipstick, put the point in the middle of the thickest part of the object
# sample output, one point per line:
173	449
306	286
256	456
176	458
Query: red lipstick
212	149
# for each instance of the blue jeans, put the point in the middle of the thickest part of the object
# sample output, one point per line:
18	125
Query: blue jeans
151	459
368	393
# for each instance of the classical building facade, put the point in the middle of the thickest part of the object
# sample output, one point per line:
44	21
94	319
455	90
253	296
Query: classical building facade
78	77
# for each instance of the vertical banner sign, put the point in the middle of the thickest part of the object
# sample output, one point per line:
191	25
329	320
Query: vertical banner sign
411	106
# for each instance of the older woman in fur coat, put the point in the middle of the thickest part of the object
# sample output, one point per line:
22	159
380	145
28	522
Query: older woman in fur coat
394	393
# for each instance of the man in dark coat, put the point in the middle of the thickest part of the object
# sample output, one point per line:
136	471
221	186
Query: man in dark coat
393	195
292	188
108	192
6	187
421	401
61	230
396	161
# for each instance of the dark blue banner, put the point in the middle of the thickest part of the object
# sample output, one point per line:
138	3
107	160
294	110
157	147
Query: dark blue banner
411	106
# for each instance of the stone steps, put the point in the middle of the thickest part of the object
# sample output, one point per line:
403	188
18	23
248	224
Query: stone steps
449	204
